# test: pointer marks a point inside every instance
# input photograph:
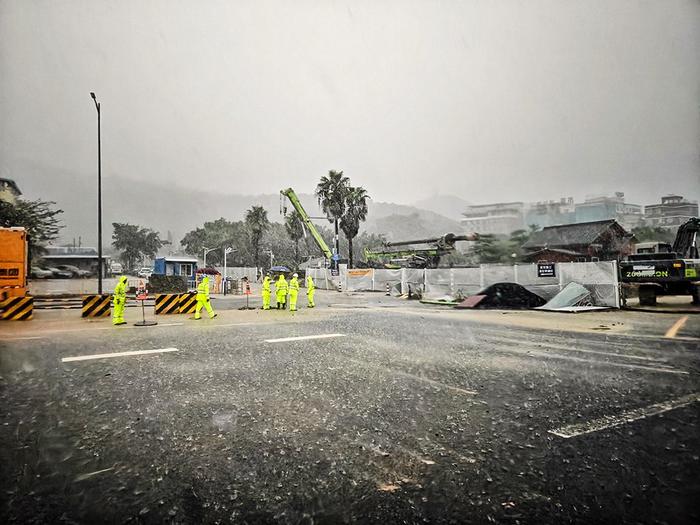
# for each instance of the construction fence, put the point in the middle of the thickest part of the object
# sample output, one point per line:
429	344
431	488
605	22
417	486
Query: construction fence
601	278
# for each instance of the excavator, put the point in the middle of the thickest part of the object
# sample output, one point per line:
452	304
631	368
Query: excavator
419	253
673	271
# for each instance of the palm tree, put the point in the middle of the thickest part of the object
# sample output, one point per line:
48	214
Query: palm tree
355	212
295	229
257	222
331	192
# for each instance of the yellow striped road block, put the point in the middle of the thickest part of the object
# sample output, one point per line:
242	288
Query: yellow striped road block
17	309
188	302
96	305
167	303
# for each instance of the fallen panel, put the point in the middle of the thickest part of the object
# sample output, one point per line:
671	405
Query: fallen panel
572	295
471	302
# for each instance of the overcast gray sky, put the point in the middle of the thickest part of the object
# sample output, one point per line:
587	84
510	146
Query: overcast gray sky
487	100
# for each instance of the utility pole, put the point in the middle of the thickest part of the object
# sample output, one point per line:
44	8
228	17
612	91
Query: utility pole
99	196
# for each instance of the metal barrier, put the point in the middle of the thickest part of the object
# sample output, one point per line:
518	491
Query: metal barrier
188	302
167	303
17	309
96	305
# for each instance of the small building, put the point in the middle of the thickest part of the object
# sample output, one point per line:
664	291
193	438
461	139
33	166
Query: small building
500	218
83	257
601	207
587	241
551	213
9	191
673	211
175	265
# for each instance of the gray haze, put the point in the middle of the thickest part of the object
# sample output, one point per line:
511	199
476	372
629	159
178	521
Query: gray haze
483	100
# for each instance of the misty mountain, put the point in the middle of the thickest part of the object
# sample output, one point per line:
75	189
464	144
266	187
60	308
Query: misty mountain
176	209
447	205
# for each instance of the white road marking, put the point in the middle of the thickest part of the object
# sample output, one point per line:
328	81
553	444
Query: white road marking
303	338
625	417
540	346
23	338
412	376
550	355
117	354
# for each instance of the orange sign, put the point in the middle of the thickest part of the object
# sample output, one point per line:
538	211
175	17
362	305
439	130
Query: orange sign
360	273
141	292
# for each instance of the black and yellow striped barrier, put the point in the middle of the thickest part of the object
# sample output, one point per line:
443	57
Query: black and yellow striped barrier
17	309
167	303
188	302
96	305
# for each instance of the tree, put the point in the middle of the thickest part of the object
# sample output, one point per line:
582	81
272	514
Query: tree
257	222
654	234
135	243
490	249
355	212
331	192
218	235
295	229
37	217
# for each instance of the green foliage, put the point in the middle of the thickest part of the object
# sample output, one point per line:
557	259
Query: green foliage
37	217
331	192
492	249
294	226
217	235
654	234
355	212
257	222
135	243
167	284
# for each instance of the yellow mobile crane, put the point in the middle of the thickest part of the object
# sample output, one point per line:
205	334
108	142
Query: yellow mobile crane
292	196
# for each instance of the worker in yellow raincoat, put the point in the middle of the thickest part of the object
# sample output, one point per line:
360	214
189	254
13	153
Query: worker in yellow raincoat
119	301
203	299
266	292
293	292
281	291
310	289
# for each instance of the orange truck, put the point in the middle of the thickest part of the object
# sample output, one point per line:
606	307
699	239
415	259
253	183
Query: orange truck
14	262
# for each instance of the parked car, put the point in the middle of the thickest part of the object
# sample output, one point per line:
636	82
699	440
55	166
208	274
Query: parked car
40	273
145	272
116	268
74	270
60	274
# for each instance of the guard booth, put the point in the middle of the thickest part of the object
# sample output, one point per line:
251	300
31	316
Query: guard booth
176	265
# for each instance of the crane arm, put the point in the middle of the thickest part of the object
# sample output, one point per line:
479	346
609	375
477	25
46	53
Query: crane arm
292	196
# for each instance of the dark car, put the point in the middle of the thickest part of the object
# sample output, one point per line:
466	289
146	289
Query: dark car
74	270
60	274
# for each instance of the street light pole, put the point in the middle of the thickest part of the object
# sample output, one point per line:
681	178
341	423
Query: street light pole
226	252
99	196
206	251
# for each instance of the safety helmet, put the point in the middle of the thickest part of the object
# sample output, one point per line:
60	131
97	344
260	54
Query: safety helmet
295	275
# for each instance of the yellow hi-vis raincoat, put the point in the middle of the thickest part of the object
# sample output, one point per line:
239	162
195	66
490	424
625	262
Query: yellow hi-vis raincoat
203	300
119	301
266	292
293	292
310	289
281	292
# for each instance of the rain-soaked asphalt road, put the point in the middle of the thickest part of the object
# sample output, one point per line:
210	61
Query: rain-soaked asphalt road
402	417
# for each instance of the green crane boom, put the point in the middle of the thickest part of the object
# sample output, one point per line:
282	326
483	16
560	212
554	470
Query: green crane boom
289	193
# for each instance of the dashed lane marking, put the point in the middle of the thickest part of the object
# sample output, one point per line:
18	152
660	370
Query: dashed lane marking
629	416
86	329
117	354
415	377
303	338
671	333
550	355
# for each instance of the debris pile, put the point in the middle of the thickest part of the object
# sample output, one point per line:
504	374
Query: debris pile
503	296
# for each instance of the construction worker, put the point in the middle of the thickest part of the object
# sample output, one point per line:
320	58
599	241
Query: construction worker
203	299
293	292
119	301
266	292
310	289
281	291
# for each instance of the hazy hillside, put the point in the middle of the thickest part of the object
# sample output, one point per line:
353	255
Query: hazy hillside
449	206
177	210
